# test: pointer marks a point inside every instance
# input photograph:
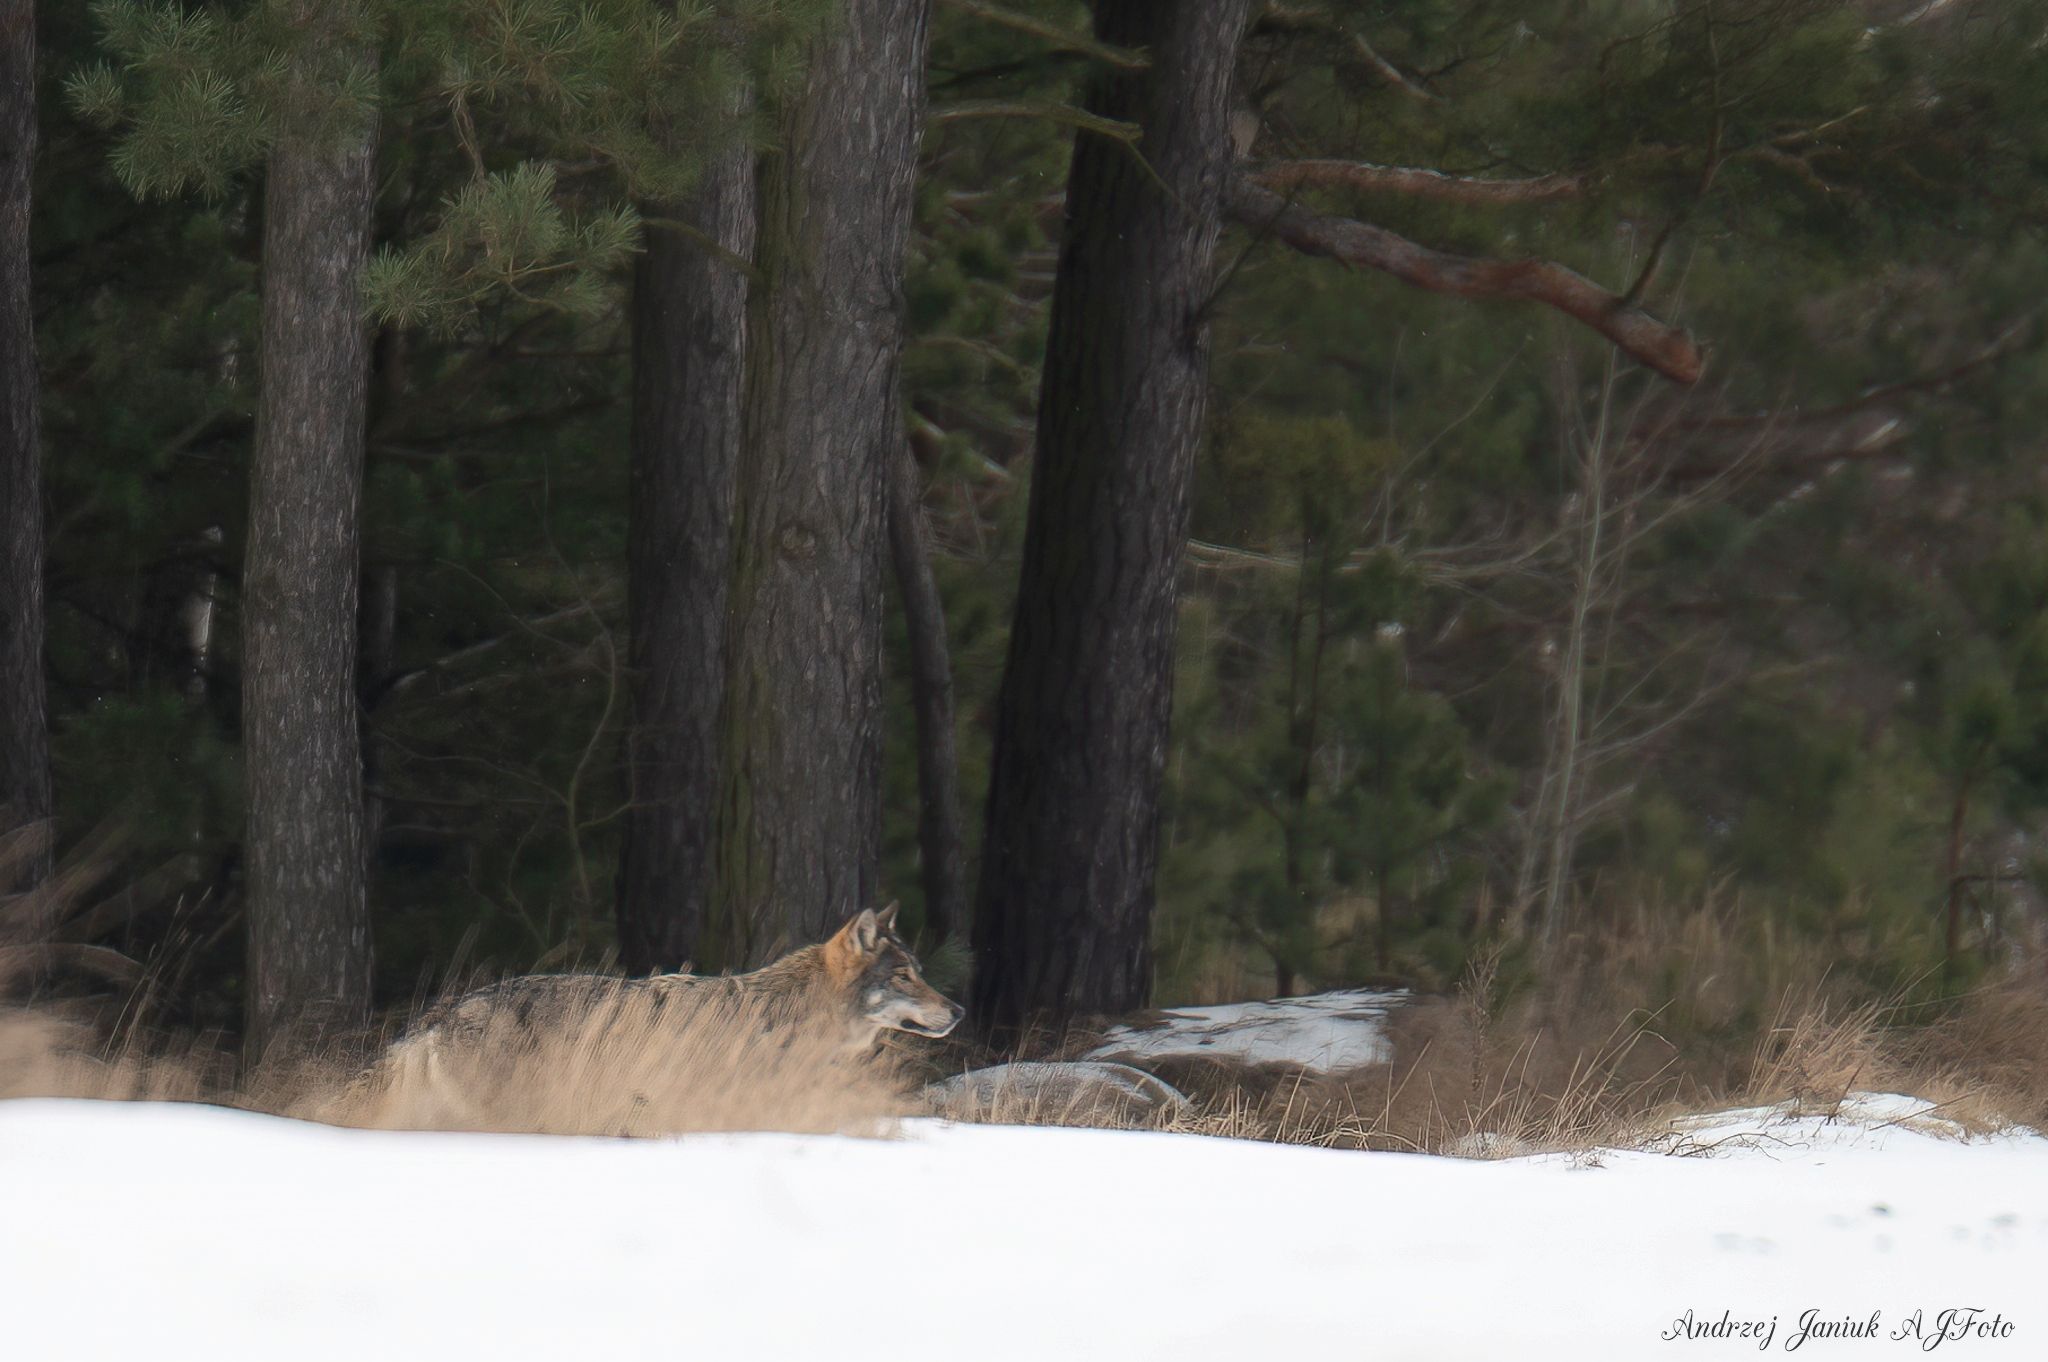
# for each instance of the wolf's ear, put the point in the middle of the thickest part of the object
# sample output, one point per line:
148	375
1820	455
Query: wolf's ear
861	935
887	917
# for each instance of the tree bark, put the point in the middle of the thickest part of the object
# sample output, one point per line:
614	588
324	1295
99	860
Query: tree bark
689	345
800	833
25	796
1065	910
931	698
308	924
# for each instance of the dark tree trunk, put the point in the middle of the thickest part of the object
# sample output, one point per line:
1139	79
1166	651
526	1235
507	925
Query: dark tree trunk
931	697
376	663
689	346
24	724
800	836
1065	912
309	937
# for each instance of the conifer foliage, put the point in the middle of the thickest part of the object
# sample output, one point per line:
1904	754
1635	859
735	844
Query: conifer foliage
1373	488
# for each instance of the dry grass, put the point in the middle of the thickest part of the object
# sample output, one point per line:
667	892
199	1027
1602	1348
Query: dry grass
621	1066
1648	1014
611	1068
614	1069
46	1053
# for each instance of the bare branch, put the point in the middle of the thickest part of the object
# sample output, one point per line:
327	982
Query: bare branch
1417	182
1668	349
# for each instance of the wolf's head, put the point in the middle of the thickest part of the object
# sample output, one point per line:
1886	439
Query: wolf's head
868	960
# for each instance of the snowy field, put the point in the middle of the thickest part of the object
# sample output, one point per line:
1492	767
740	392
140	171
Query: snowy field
176	1232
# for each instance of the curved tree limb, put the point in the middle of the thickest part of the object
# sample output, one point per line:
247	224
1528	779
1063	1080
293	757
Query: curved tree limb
1668	349
1416	182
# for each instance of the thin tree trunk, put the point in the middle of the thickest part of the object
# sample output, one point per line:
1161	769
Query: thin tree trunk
1064	919
800	834
689	346
309	936
1958	820
931	697
1570	737
24	722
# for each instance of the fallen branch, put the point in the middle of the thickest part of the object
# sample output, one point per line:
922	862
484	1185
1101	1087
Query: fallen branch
1668	349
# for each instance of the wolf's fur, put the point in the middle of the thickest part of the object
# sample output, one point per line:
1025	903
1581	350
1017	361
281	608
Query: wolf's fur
842	993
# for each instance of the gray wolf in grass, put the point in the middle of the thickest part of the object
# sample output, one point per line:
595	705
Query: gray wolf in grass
861	982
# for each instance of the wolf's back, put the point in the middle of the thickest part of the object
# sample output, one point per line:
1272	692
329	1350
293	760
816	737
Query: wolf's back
530	1003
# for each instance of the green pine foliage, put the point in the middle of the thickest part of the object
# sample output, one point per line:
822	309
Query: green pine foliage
1819	630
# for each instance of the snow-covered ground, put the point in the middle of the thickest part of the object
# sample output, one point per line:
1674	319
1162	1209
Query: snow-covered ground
172	1232
1326	1032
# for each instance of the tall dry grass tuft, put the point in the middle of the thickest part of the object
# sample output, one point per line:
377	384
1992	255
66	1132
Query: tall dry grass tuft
1816	1052
618	1064
1989	1056
46	1053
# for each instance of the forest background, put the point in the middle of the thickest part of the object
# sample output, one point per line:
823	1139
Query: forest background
1506	474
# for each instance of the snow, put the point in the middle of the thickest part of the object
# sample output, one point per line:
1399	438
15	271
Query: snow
181	1232
1324	1033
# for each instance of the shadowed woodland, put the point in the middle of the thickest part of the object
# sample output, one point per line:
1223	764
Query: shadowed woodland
1198	501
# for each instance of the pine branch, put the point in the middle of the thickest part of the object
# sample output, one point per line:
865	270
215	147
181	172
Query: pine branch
1289	19
1050	109
1062	39
1663	347
1416	182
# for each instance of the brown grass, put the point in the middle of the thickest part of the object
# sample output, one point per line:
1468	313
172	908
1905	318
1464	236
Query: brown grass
1649	1014
614	1069
623	1067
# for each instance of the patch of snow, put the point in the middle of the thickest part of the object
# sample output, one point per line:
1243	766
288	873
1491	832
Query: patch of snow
1869	1120
1862	1120
1081	1082
1323	1033
178	1232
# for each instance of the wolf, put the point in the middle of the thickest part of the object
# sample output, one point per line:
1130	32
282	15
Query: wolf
861	982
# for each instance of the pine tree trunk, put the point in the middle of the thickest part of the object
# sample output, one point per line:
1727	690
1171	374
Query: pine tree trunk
1065	912
689	329
24	724
308	924
931	697
800	835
